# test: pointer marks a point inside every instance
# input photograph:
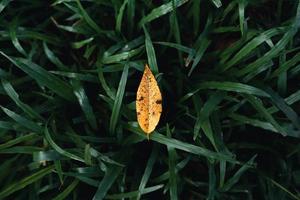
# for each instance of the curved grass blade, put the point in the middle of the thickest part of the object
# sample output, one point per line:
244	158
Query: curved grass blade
253	122
20	139
293	98
12	33
161	10
258	105
242	5
3	4
25	182
284	107
253	44
84	103
21	150
218	3
226	86
182	145
79	44
77	76
87	18
269	55
286	66
15	97
42	76
50	155
23	121
54	59
59	149
120	16
121	56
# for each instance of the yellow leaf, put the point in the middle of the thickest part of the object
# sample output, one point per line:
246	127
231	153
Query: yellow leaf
148	102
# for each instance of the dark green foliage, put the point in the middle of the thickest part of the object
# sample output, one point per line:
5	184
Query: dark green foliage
228	72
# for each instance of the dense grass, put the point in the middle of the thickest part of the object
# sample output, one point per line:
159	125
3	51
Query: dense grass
228	71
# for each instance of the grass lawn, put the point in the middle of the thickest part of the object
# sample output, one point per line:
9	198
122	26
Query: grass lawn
228	72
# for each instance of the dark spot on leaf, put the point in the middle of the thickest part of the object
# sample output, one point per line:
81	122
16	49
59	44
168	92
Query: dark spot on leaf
141	99
138	113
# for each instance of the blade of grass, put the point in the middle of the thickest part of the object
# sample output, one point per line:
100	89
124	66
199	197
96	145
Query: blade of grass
253	44
59	149
121	56
226	86
118	101
212	182
84	103
209	106
87	18
254	122
42	76
286	66
150	53
148	171
172	170
67	191
22	120
15	97
134	193
157	137
109	178
120	16
199	54
177	46
18	140
160	11
269	55
12	33
218	3
54	59
77	76
81	43
3	4
258	105
242	5
284	107
10	189
131	9
235	178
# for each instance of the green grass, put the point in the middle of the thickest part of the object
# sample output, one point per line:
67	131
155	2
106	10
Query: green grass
229	76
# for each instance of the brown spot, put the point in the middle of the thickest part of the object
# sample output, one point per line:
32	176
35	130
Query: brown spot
158	101
141	99
153	113
138	113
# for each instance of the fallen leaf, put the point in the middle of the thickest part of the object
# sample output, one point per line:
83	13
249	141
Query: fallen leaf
148	102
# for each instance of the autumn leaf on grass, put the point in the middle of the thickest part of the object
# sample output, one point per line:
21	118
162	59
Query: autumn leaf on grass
148	102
